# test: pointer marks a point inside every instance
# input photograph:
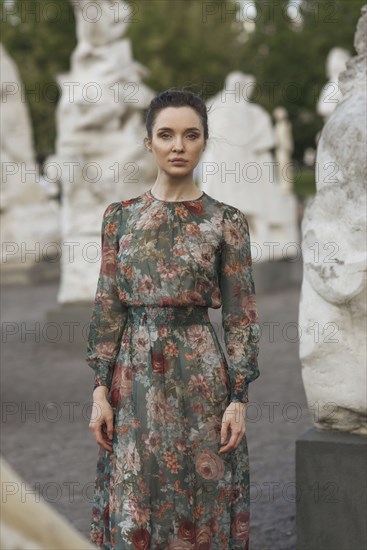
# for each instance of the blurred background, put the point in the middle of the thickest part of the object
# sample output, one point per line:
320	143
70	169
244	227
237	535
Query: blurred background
277	42
76	80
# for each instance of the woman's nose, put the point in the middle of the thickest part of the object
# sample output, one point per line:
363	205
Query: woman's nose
178	146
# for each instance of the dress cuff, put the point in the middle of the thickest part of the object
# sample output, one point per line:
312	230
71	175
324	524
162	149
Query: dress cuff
103	373
240	396
100	381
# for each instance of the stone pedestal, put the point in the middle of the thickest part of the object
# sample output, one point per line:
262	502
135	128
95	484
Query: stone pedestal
331	480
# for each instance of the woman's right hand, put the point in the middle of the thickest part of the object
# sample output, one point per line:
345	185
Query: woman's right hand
101	422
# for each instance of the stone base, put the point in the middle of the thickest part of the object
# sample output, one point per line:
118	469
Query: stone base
331	481
29	274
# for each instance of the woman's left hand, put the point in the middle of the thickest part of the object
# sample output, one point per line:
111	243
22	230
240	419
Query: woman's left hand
233	418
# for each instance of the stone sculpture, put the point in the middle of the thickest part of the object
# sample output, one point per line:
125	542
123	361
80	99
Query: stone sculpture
100	146
332	315
29	220
29	522
283	149
238	168
331	94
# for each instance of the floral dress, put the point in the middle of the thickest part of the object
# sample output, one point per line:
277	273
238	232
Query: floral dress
164	263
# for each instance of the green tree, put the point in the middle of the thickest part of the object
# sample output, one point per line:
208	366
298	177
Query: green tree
40	36
173	39
289	63
192	44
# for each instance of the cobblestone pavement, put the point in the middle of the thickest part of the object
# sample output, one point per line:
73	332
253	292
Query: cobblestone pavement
46	396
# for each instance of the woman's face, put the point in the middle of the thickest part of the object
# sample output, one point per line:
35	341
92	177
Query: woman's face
177	132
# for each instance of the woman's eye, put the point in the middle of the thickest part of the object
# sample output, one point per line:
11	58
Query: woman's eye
191	136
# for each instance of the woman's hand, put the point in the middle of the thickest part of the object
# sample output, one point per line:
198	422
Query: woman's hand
234	418
102	418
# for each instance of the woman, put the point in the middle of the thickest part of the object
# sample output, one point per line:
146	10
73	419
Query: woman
168	410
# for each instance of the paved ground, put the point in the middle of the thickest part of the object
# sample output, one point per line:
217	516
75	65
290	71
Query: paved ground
46	396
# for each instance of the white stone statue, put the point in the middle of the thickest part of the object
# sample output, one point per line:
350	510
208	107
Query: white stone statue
100	24
332	315
331	94
309	156
238	167
100	147
29	220
29	522
284	147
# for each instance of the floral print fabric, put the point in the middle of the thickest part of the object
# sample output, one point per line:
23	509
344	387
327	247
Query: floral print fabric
165	486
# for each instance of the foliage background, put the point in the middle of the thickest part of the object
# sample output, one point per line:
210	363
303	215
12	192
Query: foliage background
192	44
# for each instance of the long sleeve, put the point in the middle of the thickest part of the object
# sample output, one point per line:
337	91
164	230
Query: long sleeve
239	309
109	313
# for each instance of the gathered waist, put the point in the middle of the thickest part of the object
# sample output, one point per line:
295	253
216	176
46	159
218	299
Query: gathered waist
180	315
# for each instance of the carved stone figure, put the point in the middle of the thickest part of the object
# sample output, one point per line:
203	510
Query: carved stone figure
283	149
331	94
100	146
332	315
238	168
29	220
30	522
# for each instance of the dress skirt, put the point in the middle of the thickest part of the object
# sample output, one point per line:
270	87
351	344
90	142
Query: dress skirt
165	486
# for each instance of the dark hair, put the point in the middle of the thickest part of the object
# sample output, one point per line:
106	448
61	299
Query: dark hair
176	98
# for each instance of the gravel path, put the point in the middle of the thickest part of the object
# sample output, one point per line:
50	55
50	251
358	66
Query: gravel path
46	398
